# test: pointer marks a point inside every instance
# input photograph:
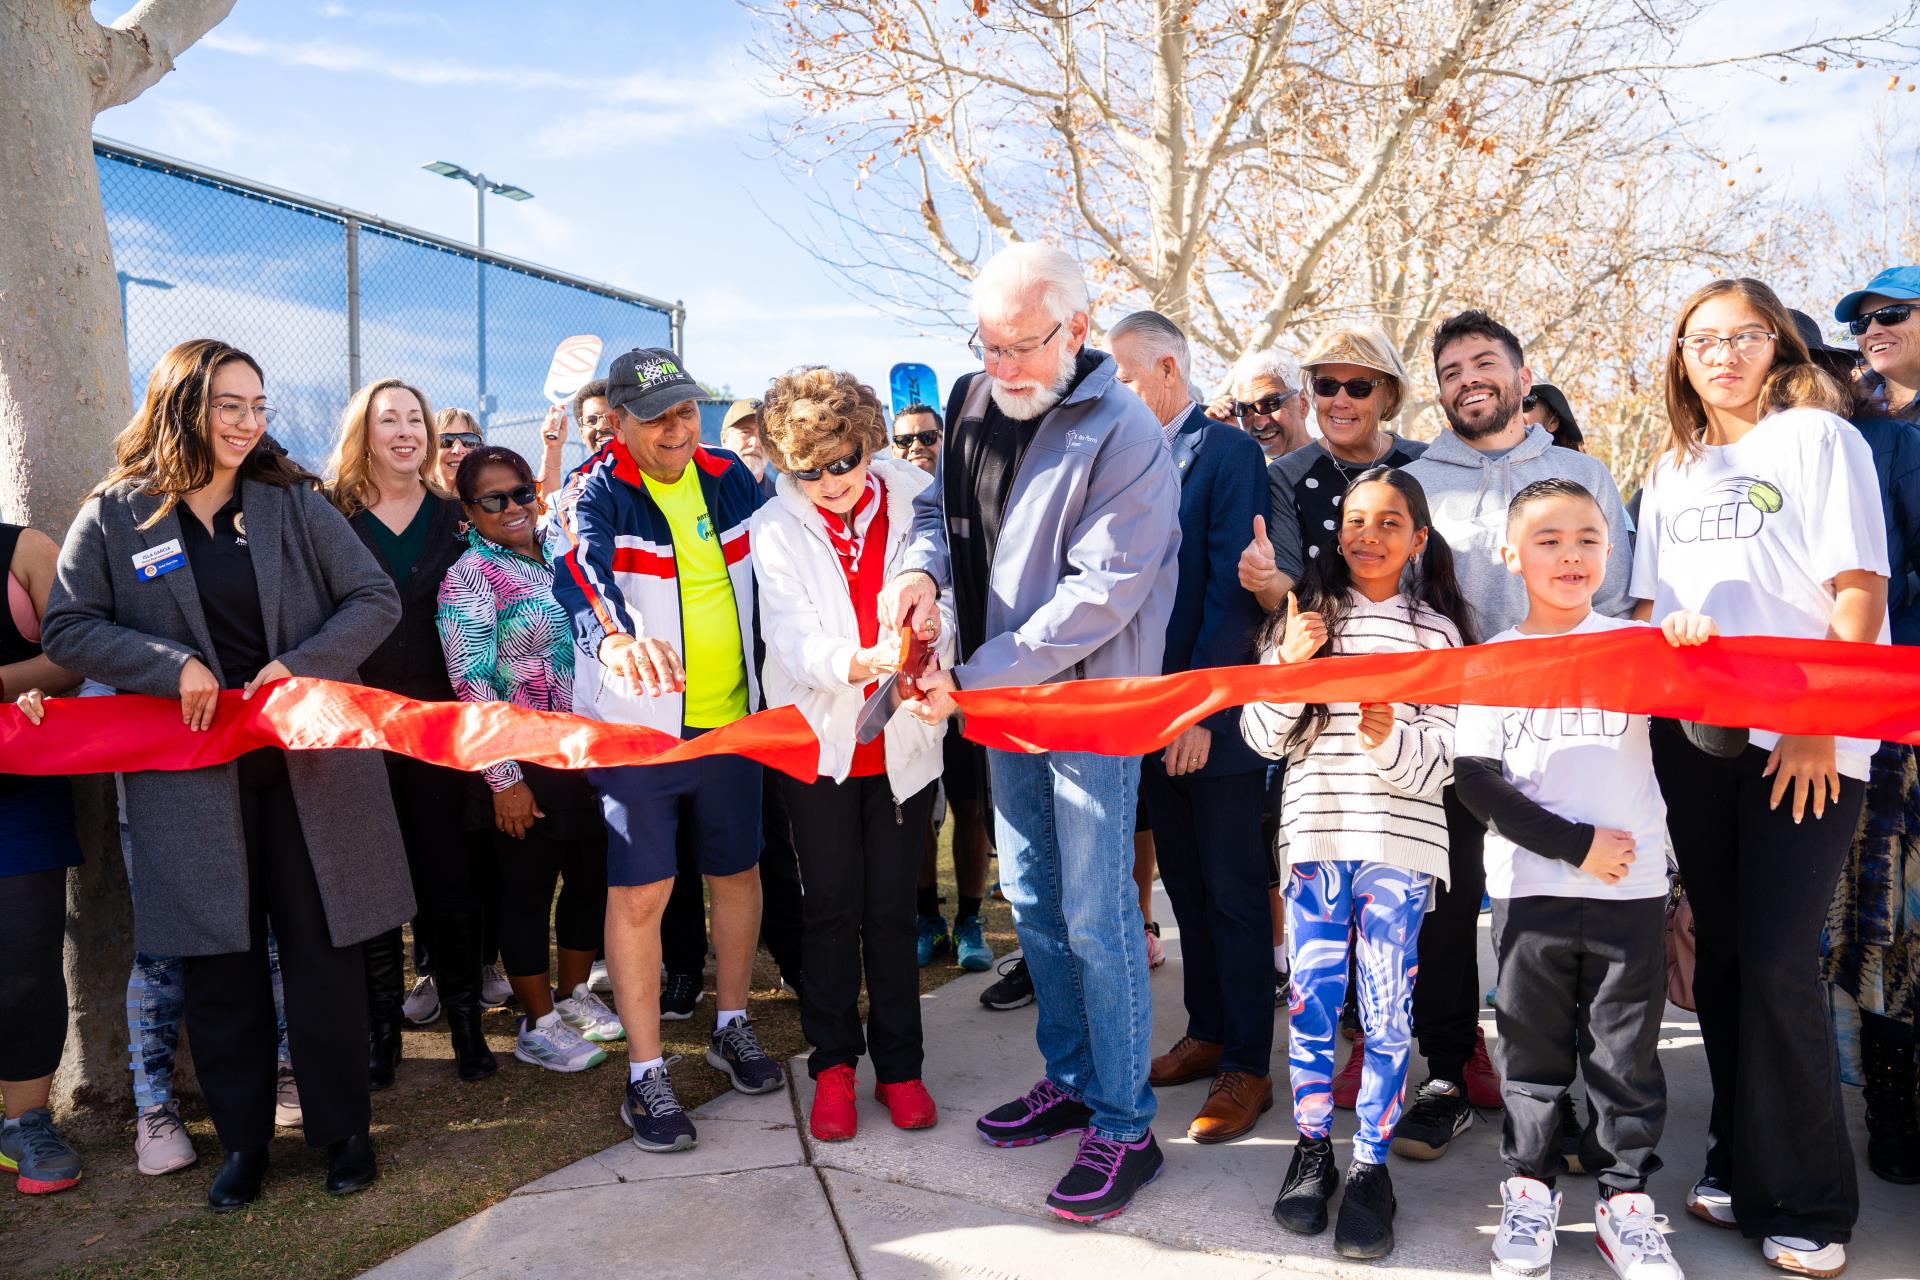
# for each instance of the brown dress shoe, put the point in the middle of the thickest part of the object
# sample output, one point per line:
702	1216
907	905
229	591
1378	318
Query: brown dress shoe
1188	1060
1234	1103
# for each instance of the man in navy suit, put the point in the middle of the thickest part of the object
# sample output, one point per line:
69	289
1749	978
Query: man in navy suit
1203	792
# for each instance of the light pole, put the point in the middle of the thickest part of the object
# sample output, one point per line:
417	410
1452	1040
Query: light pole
481	185
125	279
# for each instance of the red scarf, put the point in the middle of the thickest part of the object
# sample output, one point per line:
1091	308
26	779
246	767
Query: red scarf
860	541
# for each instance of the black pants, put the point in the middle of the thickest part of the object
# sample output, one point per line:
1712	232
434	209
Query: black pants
430	803
33	980
860	855
570	845
1446	992
229	998
1206	833
683	926
1591	973
1760	886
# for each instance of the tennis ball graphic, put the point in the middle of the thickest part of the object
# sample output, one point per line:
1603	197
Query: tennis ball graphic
1764	496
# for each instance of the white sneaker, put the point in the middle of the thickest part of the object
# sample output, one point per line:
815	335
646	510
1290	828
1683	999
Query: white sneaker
552	1044
1710	1201
494	987
160	1140
1627	1232
1529	1213
286	1099
588	1015
1804	1257
422	1004
599	981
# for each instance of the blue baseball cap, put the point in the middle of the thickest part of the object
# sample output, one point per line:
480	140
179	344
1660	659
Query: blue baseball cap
1898	284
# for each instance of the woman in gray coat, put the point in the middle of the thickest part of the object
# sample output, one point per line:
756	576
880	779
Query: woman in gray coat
207	560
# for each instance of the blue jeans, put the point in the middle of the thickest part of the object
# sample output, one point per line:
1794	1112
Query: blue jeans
1065	826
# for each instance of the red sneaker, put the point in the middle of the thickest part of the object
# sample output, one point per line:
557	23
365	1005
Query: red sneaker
1482	1079
1346	1085
909	1103
834	1118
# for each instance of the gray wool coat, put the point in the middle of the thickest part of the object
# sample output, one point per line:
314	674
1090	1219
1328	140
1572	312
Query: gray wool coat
326	605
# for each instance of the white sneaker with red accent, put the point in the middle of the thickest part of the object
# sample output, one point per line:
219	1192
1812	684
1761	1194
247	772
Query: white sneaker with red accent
1529	1215
1804	1257
1627	1232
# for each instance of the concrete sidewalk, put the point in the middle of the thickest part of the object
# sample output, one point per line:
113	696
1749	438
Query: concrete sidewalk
758	1198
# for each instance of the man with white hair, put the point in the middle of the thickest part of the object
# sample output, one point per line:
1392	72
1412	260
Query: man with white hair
1205	789
1264	397
1053	521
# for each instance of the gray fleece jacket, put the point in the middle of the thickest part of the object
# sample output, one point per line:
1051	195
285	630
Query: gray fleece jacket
1469	492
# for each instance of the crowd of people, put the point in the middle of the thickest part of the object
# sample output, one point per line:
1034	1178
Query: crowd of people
1070	513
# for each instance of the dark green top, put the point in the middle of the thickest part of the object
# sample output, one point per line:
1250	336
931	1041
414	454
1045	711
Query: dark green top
400	550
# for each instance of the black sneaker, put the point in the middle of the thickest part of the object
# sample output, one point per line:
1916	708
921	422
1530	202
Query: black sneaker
654	1114
735	1050
1439	1115
1014	989
1365	1225
681	992
1312	1179
1043	1112
1101	1181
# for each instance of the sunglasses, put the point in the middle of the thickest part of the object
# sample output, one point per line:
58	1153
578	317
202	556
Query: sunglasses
1887	316
1266	406
466	438
1356	388
1528	401
839	468
927	438
520	496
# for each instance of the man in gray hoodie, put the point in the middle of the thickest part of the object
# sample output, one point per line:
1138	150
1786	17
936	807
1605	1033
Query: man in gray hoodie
1470	473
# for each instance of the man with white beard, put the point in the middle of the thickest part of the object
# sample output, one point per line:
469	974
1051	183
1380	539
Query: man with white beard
1053	520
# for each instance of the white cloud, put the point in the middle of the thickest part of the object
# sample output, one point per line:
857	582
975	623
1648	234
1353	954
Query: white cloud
199	129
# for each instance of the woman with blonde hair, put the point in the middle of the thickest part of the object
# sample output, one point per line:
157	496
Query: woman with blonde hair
206	561
836	530
1764	509
381	478
457	433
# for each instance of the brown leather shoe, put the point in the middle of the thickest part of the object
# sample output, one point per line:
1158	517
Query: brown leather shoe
1236	1101
1188	1060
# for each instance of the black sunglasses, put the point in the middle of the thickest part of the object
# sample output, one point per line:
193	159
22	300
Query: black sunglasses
1888	316
520	496
839	468
1266	406
1356	388
928	438
1528	401
467	438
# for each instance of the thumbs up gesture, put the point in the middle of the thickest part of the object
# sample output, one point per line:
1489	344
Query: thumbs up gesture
1305	633
1257	568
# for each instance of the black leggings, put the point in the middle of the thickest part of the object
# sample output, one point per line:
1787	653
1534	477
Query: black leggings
33	984
569	844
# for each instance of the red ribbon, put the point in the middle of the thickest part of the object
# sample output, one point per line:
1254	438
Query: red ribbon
1789	686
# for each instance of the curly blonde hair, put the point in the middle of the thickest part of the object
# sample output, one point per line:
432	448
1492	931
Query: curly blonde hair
814	416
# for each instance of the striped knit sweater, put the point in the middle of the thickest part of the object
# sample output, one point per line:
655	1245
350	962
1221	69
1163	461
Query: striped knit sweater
1344	803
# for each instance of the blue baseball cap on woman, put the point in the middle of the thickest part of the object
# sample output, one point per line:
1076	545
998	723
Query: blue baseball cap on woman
1896	284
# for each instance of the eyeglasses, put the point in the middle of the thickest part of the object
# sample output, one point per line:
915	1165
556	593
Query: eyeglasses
1887	316
1018	351
465	439
520	496
592	420
1266	406
839	468
1748	342
1356	388
232	414
927	438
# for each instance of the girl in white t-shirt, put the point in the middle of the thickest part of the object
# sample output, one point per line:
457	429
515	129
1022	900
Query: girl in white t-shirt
1763	511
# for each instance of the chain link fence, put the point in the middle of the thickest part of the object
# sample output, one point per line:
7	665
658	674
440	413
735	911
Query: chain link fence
327	299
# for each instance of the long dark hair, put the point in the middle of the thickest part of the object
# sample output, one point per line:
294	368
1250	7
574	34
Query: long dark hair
1428	580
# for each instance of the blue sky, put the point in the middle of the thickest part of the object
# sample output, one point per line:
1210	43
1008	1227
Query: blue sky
640	129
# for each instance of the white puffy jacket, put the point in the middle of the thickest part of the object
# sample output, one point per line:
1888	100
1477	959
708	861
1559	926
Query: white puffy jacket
811	634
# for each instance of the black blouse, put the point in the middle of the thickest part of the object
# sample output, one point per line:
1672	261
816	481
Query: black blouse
411	662
229	593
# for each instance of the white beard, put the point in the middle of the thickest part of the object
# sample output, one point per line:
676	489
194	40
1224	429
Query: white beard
1030	402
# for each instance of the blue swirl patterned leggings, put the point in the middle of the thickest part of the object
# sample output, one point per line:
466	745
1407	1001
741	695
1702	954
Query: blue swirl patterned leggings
1332	907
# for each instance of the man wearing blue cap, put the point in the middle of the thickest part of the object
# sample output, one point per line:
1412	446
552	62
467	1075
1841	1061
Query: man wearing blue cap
1885	317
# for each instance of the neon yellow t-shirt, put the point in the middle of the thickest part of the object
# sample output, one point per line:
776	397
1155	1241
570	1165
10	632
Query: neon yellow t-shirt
709	624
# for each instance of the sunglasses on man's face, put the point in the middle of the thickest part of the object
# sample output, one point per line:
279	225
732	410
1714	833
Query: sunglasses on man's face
1356	388
465	439
1266	406
927	438
839	468
520	496
1887	316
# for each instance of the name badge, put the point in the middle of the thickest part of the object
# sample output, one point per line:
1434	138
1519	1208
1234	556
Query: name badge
155	561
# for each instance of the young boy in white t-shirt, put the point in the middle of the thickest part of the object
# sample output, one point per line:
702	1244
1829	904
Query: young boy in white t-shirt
1574	867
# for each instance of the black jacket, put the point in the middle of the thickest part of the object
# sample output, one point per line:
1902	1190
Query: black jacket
410	661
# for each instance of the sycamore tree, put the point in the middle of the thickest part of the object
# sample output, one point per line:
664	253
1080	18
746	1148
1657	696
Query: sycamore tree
64	395
1260	169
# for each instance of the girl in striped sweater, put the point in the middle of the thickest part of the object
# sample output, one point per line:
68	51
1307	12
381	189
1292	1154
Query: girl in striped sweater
1363	835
